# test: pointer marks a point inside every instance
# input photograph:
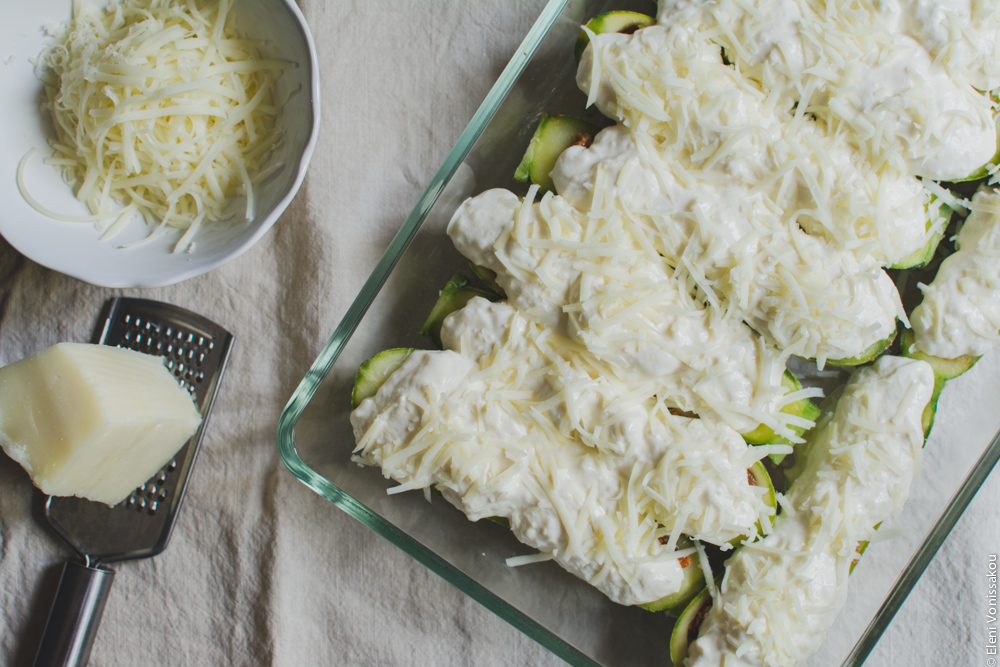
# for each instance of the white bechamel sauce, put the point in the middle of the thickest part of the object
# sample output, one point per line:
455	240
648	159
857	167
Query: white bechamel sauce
513	421
780	595
886	76
590	279
960	312
782	222
963	35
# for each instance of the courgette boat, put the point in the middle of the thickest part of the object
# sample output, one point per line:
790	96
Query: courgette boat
619	21
944	370
457	292
803	409
553	135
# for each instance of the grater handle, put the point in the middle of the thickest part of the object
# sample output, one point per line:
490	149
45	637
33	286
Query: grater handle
75	615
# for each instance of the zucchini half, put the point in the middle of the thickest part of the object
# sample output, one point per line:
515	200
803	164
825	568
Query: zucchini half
944	370
984	170
694	582
757	476
688	625
457	292
620	21
805	408
553	135
920	258
873	351
373	372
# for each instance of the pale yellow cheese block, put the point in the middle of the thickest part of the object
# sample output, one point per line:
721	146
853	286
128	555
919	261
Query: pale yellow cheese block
92	420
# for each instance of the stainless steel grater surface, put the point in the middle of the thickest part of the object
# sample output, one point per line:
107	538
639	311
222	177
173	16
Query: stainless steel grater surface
196	350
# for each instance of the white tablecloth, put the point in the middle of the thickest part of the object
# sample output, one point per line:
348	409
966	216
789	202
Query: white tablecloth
261	570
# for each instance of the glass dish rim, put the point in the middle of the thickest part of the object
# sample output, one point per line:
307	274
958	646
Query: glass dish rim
335	344
338	339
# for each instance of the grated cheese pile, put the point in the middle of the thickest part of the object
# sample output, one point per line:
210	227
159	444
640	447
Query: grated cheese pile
161	110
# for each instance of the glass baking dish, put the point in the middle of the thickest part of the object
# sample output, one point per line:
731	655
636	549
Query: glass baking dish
562	613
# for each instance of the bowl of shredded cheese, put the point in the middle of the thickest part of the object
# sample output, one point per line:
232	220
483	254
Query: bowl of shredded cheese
151	141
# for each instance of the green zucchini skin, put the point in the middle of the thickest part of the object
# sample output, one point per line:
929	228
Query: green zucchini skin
618	21
489	279
805	408
687	626
694	574
944	370
553	135
873	351
373	372
758	476
694	582
920	258
457	292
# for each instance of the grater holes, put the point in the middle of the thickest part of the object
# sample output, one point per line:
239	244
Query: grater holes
142	335
147	497
184	352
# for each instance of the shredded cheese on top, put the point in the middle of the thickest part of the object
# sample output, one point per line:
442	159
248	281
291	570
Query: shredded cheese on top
960	311
160	108
781	593
588	469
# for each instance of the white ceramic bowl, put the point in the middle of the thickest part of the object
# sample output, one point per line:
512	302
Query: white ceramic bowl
76	249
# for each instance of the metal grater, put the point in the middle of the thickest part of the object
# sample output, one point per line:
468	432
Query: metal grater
196	350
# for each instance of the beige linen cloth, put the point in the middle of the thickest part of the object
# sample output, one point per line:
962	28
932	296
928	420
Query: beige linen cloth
261	570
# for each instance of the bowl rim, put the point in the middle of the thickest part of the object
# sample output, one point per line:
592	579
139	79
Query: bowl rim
301	168
181	271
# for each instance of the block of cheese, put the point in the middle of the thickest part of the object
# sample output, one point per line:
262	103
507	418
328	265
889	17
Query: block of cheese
92	420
